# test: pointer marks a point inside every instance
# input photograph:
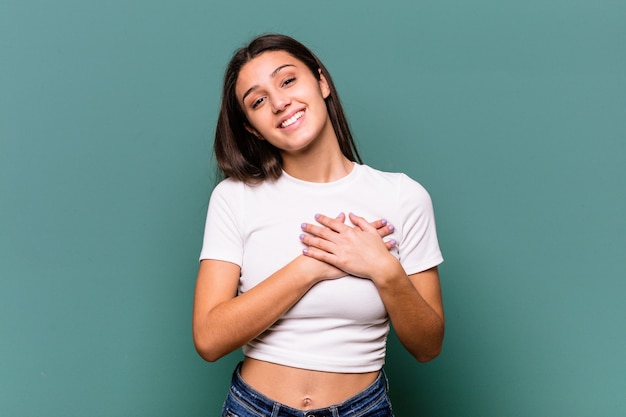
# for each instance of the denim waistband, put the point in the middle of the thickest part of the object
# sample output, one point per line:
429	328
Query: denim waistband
265	406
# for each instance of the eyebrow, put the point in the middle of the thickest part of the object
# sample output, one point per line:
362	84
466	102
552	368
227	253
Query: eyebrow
273	74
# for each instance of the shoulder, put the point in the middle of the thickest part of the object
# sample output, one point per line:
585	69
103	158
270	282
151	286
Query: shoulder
228	194
228	185
398	181
239	195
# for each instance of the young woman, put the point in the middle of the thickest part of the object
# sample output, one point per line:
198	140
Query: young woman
299	265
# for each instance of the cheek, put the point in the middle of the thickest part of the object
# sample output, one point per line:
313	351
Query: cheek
255	121
258	124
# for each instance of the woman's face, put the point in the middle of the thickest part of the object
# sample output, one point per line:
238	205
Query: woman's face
284	102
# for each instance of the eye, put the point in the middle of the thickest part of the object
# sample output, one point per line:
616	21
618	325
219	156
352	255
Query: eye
289	81
256	103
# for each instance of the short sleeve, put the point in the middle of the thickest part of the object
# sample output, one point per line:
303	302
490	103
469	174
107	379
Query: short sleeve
418	246
223	231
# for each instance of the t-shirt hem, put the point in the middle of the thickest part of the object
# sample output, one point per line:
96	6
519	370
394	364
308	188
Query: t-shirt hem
327	366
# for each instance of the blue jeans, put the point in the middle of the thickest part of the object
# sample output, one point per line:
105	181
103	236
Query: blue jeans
244	401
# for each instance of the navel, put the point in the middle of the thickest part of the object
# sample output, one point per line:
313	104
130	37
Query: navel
306	402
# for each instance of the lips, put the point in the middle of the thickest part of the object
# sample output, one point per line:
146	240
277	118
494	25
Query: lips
292	119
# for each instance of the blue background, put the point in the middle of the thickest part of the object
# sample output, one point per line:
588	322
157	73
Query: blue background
512	114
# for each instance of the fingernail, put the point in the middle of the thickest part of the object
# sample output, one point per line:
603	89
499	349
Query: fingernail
391	228
384	222
303	226
302	236
393	242
305	251
317	215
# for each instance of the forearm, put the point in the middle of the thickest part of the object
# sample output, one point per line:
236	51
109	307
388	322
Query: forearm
233	322
413	303
418	324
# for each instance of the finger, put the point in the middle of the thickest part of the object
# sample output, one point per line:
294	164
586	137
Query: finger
319	231
383	227
360	222
319	243
336	224
318	254
390	244
379	224
385	230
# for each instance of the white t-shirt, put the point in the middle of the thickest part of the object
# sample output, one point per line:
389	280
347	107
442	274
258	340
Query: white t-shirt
338	325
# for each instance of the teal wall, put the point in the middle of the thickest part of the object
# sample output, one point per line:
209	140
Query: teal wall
512	114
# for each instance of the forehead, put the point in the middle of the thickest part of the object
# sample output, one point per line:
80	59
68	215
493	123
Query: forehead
260	69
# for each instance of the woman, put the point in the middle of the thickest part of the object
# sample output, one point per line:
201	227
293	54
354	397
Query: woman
308	293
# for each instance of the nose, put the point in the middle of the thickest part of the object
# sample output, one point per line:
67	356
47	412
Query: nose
279	101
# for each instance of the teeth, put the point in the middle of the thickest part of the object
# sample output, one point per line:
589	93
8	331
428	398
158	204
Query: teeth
292	119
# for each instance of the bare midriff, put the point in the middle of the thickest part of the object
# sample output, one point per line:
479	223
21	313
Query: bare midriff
302	388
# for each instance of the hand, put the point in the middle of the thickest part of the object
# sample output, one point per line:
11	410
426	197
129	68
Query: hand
357	250
384	229
316	270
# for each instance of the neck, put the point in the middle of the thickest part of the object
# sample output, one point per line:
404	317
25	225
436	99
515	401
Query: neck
318	167
323	161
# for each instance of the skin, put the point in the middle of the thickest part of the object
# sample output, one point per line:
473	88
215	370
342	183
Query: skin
272	88
276	86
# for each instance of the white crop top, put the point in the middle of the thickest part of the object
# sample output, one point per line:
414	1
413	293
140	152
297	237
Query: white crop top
338	325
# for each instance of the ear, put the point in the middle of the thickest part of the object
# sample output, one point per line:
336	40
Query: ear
253	131
324	87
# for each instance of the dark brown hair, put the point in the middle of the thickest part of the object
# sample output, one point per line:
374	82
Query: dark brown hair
239	154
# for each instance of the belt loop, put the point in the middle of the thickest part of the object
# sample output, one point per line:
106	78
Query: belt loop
335	411
275	410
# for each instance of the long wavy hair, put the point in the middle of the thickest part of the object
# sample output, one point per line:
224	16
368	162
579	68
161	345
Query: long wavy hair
239	154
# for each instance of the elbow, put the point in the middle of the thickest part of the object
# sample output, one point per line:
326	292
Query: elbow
428	355
432	349
207	354
425	352
207	350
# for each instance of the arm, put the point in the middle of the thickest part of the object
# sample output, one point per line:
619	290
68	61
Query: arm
414	303
415	308
223	321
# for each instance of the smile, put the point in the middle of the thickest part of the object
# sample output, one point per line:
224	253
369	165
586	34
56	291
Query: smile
292	119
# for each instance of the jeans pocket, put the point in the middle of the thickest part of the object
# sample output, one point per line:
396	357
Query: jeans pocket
381	409
229	413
